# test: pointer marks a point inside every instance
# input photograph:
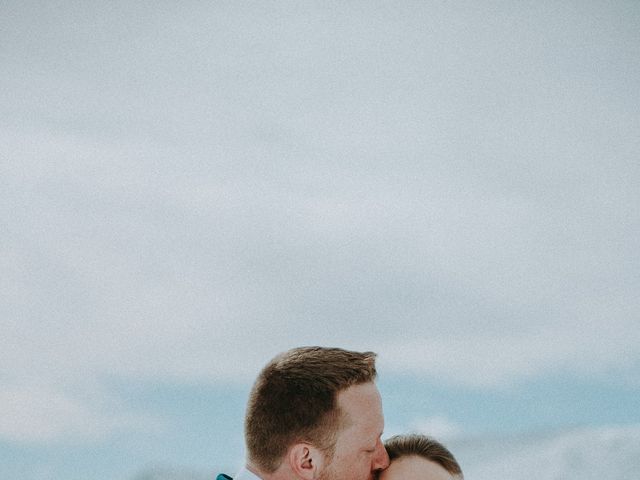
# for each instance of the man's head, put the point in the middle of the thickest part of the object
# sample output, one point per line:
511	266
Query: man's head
315	413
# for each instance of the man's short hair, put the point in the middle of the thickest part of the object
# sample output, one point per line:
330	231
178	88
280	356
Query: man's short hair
294	400
425	447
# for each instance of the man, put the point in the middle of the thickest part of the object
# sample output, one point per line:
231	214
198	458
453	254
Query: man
315	413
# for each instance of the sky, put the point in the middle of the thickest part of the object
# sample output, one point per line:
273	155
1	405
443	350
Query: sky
188	189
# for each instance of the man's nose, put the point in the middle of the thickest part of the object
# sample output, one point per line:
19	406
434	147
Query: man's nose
381	459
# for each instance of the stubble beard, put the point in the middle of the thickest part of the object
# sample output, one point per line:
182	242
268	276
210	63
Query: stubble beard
331	474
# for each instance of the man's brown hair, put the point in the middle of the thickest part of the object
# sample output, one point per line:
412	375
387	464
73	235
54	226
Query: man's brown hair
423	446
294	400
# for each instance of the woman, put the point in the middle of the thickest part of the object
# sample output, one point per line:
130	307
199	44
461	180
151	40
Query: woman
418	457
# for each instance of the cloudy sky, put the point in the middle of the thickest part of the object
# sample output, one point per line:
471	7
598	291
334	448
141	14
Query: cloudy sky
188	189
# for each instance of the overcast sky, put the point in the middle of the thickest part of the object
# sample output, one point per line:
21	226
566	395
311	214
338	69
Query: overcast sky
188	189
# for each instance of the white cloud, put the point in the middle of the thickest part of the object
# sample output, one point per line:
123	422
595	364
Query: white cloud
129	270
35	414
185	218
585	453
496	360
439	427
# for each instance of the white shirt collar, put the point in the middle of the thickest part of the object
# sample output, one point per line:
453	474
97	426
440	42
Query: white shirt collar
246	474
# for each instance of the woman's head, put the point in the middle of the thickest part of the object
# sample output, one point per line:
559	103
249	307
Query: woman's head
418	457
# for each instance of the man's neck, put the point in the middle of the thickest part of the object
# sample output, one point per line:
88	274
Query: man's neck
280	474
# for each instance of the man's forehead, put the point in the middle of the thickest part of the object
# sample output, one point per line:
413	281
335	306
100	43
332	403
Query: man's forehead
361	407
360	395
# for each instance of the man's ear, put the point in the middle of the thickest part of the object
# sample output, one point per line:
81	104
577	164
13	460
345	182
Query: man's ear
306	461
